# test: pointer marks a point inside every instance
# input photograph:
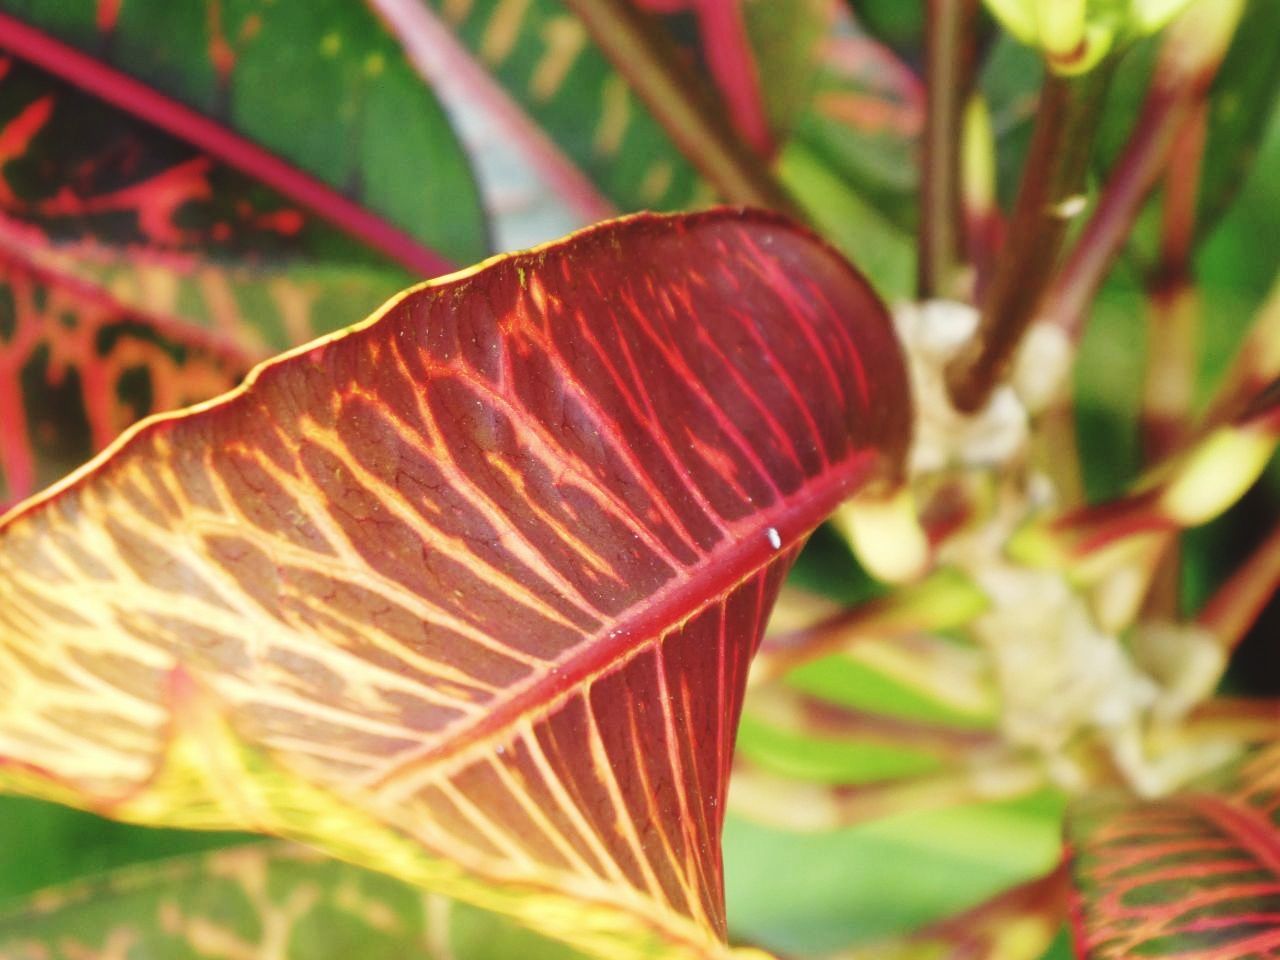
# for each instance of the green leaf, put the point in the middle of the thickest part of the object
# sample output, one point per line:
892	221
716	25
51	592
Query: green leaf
543	59
258	901
882	879
1244	99
467	592
47	844
886	253
1195	874
898	24
864	122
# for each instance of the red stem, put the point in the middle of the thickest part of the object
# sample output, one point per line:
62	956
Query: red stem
1144	159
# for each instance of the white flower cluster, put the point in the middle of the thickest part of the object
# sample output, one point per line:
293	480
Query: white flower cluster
1059	671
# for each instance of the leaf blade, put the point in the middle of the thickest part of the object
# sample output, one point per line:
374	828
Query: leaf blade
1199	871
568	483
257	87
256	900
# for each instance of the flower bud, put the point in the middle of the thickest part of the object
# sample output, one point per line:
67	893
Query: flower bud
1075	35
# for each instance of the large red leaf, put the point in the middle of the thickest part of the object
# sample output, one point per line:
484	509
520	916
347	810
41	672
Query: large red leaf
1196	875
487	569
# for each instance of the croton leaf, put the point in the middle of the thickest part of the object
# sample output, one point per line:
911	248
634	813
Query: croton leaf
148	260
259	902
1241	106
467	592
542	58
76	369
323	87
166	212
1193	875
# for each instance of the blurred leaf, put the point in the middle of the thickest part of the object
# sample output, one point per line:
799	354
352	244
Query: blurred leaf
787	39
882	879
885	253
1019	924
898	24
1242	104
544	60
1195	874
260	902
864	124
323	636
45	844
924	678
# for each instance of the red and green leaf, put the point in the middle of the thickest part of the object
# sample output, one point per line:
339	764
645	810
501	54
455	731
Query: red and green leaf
1193	875
122	209
77	368
466	593
103	198
865	121
545	62
258	901
300	97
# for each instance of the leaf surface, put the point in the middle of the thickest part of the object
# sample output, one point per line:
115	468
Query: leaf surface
323	87
76	368
254	903
466	593
105	197
141	271
1193	875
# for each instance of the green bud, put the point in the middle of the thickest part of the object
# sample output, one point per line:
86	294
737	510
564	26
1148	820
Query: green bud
1075	35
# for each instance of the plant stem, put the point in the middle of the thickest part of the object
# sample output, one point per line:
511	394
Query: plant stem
1049	196
1135	174
1238	603
945	600
948	79
1189	60
1173	317
679	100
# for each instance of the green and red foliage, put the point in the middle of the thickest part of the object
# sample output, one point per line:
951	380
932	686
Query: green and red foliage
492	575
471	597
1197	872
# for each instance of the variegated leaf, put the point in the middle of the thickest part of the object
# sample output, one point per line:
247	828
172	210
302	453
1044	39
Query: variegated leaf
76	369
99	196
322	87
260	902
466	593
1196	875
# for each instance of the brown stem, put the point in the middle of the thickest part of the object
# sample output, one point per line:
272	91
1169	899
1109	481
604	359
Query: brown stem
1049	196
679	100
949	74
